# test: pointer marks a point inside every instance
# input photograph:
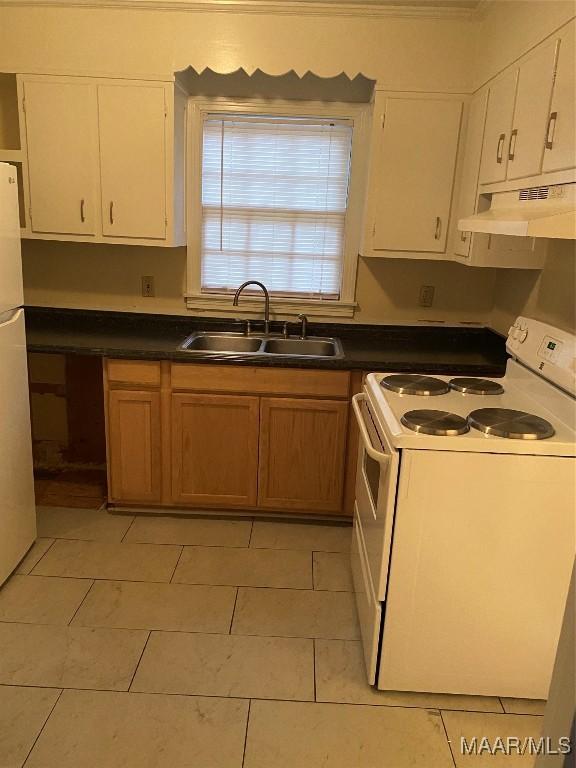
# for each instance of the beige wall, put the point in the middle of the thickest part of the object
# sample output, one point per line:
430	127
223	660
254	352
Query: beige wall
401	53
509	28
102	276
549	295
108	277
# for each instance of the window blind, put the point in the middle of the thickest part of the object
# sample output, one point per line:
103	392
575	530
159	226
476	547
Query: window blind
274	199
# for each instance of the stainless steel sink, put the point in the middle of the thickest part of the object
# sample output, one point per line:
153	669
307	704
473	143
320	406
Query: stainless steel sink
222	342
204	342
311	347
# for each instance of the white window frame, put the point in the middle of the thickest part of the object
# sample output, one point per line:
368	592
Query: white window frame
359	115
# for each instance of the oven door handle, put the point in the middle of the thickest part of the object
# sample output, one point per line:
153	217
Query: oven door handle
381	458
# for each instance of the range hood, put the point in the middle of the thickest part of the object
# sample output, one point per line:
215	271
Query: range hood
533	212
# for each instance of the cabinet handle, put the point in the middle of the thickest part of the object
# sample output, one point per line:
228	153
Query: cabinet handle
550	129
463	236
438	230
512	144
111	211
500	147
82	216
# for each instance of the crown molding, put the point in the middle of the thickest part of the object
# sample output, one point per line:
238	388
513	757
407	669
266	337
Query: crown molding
360	8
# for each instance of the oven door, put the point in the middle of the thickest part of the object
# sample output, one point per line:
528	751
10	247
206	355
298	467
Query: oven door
376	481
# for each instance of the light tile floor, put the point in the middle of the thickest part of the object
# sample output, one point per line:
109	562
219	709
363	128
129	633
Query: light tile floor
195	643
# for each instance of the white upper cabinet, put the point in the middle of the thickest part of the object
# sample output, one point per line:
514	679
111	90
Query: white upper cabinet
530	125
470	168
560	139
131	122
100	158
414	149
62	149
498	127
526	142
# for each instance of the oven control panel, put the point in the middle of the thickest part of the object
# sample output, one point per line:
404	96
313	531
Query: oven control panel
549	351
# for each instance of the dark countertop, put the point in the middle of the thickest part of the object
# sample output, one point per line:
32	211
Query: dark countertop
461	349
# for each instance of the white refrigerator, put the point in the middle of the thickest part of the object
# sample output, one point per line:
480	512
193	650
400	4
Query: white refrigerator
17	507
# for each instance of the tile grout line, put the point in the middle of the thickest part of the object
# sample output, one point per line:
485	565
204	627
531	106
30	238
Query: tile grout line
259	698
193	632
42	729
447	739
139	660
127	530
314	665
81	603
184	583
31	571
246	732
233	611
313	570
176	564
251	532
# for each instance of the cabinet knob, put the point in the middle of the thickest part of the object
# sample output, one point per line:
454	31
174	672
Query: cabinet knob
550	129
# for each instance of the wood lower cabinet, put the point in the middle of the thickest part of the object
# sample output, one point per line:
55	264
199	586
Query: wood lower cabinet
302	445
134	446
202	436
214	449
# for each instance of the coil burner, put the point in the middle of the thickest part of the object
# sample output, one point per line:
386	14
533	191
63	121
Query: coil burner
414	384
472	386
504	422
432	422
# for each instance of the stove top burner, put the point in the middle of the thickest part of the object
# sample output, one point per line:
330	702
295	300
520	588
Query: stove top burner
415	384
504	422
435	422
473	386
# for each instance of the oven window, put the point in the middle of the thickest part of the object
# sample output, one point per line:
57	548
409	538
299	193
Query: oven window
372	472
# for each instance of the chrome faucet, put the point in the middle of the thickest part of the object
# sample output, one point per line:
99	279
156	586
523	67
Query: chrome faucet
304	321
266	301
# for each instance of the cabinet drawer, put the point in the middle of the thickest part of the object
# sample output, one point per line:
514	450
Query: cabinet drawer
138	372
267	381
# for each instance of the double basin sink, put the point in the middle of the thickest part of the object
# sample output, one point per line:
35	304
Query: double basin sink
238	344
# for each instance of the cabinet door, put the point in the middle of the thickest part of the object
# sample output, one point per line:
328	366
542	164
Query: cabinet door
560	146
414	174
214	449
498	127
302	454
471	168
62	156
134	446
526	143
131	120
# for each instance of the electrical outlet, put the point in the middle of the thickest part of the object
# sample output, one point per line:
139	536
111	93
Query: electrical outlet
147	286
426	298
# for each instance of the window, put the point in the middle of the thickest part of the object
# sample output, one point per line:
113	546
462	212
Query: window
278	199
274	199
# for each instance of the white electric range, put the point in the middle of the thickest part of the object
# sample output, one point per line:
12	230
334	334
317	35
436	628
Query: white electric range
464	524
